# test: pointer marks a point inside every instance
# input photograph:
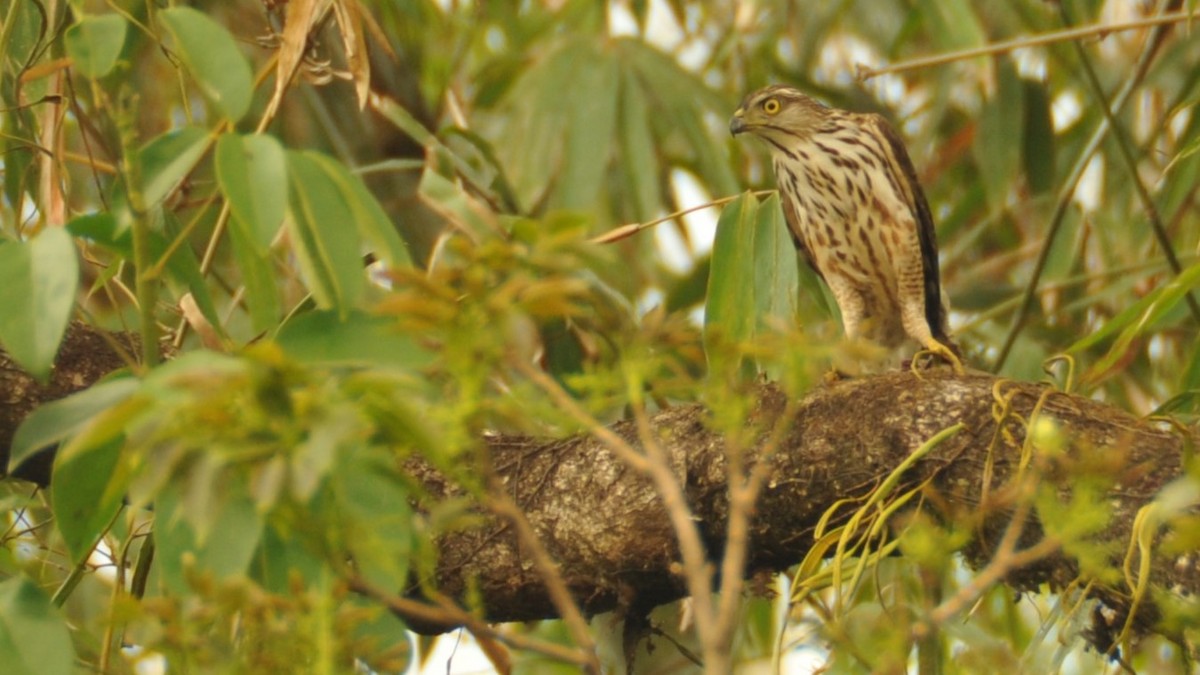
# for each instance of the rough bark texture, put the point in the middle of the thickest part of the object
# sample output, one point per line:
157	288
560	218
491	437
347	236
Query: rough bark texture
86	355
606	526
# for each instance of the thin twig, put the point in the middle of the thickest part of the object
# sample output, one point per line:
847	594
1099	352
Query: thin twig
626	231
449	615
502	504
864	73
744	488
655	463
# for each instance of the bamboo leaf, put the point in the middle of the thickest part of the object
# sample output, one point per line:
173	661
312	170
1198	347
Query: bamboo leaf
213	59
168	159
252	172
728	313
94	43
38	279
34	637
324	236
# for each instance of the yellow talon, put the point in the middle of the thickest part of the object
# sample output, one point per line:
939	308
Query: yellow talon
938	349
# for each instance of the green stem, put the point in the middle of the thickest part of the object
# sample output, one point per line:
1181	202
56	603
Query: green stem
146	286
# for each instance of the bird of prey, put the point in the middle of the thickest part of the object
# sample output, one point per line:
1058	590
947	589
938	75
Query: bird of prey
857	214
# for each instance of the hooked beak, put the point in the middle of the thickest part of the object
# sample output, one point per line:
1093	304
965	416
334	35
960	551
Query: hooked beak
737	125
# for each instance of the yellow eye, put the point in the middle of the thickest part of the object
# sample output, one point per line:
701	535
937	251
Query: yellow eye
771	106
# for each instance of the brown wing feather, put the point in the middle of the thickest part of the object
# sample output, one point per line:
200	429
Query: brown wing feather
935	313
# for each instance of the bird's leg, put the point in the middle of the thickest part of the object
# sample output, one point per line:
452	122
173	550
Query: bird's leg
933	346
912	316
853	310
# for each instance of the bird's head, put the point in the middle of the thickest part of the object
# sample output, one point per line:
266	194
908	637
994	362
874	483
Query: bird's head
778	113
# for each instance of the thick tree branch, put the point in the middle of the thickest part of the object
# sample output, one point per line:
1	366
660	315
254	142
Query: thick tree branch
604	523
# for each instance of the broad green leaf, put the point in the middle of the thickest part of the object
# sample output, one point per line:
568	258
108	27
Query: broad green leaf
321	338
998	144
590	123
225	549
97	489
184	266
38	279
376	521
952	24
383	636
252	172
279	555
213	58
680	102
533	144
168	159
1038	147
638	158
18	162
689	291
101	228
258	276
775	271
58	420
373	222
94	43
34	638
729	310
324	235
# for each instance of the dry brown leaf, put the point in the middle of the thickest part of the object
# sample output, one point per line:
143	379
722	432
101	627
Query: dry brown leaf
301	16
195	318
350	19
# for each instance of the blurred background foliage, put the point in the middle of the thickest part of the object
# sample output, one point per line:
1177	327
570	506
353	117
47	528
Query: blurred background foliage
498	138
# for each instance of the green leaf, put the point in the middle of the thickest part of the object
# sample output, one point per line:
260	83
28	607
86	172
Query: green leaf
590	123
953	24
34	638
322	338
168	159
1038	140
998	146
184	266
212	57
252	173
38	279
324	236
376	521
373	222
258	276
227	545
57	421
638	158
728	313
96	490
94	43
280	554
776	275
